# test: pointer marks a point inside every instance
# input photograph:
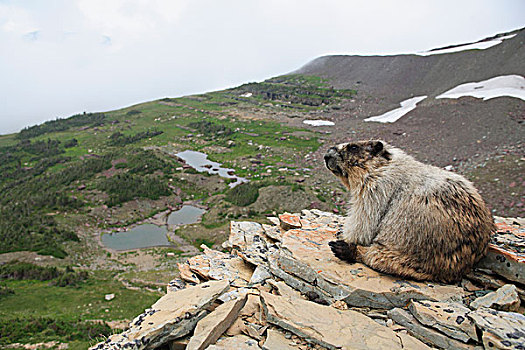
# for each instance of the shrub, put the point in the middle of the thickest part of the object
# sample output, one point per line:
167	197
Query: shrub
125	187
71	143
85	119
119	139
5	291
58	277
26	271
133	112
243	194
55	251
26	330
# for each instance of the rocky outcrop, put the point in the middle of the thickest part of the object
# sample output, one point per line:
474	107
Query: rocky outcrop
280	287
172	316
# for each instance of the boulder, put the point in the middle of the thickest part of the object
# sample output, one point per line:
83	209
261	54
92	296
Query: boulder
284	275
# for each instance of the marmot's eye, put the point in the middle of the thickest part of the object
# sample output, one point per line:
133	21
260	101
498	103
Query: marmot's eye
353	148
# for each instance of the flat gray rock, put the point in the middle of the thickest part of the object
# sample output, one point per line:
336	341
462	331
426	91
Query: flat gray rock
238	342
327	326
294	251
274	232
211	327
505	298
250	240
306	255
449	318
425	334
260	274
501	330
276	340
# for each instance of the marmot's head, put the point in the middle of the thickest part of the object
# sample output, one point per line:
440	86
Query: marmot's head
352	161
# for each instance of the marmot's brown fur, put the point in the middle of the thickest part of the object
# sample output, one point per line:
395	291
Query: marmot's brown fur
407	218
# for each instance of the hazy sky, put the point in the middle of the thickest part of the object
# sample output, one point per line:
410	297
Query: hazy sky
60	57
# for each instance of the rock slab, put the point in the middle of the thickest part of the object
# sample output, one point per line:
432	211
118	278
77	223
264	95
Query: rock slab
305	254
276	340
449	318
327	326
172	316
506	255
505	298
427	335
238	342
501	330
211	327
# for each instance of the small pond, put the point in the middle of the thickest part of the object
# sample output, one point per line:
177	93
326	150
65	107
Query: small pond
141	236
149	235
188	214
200	162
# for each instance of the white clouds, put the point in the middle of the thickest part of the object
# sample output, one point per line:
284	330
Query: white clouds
102	54
14	19
130	20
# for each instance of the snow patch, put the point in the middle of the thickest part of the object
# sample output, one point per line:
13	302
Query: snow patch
505	85
319	122
482	45
248	94
392	116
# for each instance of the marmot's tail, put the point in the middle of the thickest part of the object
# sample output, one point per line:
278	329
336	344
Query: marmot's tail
394	262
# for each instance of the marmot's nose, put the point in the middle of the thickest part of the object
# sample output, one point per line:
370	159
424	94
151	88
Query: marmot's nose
331	153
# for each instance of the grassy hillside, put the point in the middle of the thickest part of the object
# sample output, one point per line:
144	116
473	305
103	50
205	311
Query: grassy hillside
72	165
66	181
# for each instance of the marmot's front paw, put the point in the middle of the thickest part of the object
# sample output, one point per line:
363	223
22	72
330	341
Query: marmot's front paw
343	250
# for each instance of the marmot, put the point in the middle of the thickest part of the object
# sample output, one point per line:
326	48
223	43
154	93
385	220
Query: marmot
407	218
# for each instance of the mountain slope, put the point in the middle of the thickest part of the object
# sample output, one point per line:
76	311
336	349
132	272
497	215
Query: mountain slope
481	139
401	76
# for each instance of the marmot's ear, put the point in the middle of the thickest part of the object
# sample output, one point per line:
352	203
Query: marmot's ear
374	147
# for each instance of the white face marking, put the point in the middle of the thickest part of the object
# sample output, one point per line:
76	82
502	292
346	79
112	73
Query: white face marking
341	146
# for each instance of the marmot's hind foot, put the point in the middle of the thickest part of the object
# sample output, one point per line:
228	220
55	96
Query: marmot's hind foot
344	251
